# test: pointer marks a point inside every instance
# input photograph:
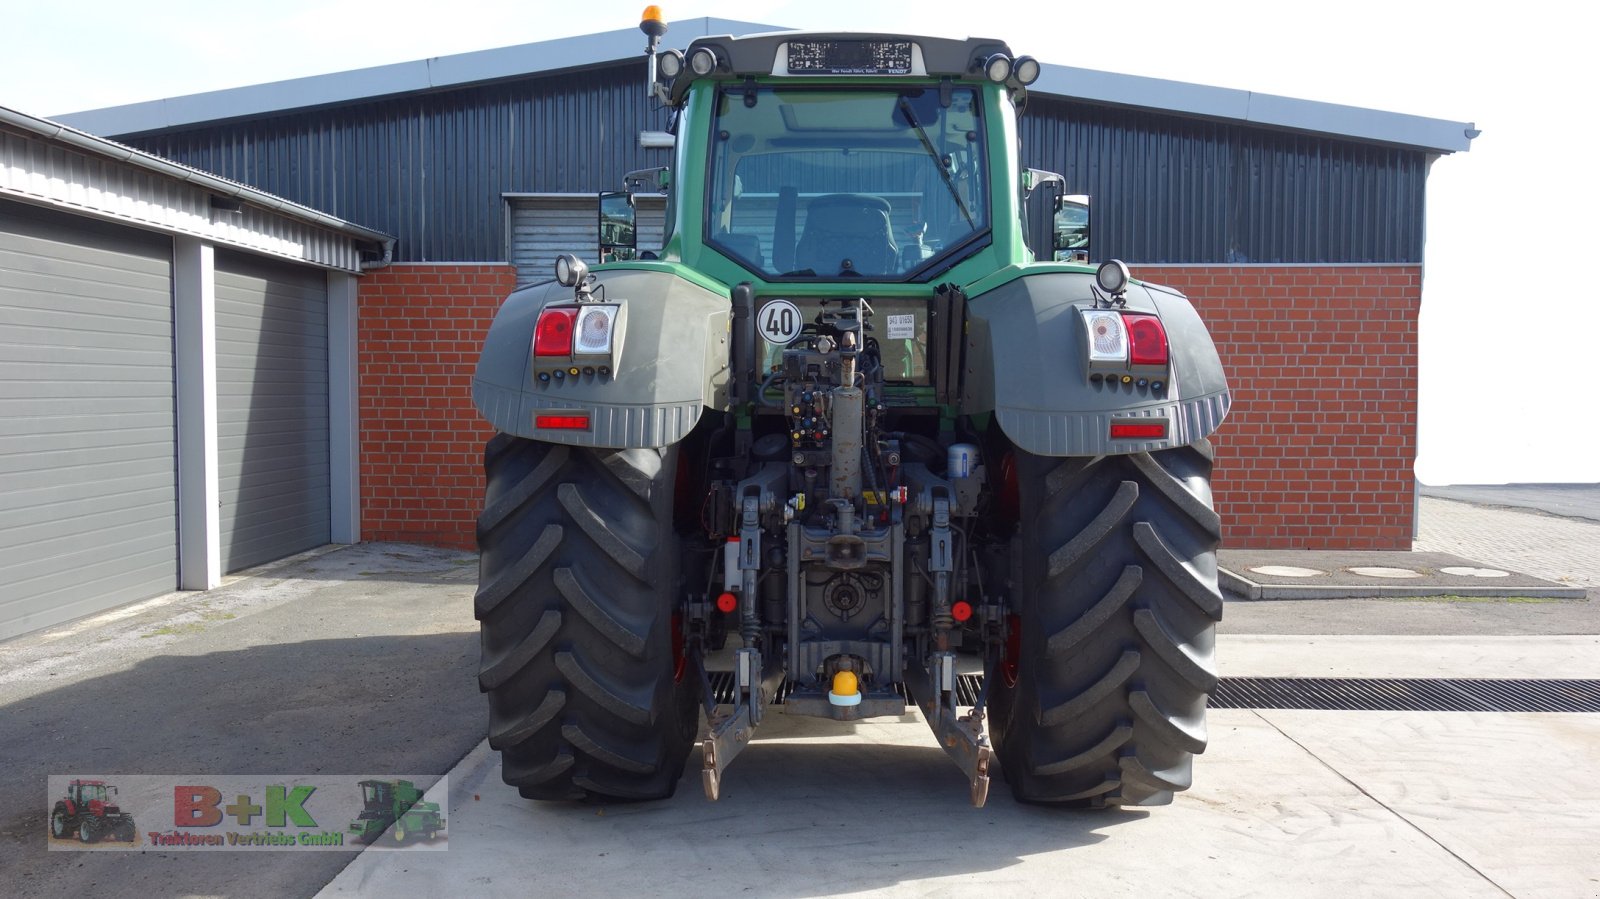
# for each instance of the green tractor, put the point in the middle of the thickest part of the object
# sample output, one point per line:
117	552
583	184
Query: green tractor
395	806
857	428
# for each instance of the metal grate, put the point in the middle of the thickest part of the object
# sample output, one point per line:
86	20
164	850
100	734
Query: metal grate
1407	694
1343	694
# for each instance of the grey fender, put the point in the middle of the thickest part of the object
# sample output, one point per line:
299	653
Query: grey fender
668	363
1027	363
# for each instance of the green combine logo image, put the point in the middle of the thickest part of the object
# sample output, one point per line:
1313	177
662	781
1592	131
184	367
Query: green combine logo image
395	804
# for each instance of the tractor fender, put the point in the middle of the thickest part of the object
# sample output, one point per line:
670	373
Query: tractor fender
1027	362
669	361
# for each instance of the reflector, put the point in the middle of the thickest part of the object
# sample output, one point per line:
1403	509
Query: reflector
562	422
1156	431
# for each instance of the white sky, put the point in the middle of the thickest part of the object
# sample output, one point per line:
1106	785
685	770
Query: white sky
1508	357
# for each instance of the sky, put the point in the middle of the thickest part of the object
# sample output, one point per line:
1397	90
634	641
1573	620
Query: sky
1510	328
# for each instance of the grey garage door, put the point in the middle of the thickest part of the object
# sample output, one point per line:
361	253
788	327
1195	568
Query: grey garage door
544	226
272	409
88	453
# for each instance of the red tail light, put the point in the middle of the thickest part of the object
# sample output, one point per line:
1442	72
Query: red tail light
562	422
1147	340
552	336
1137	431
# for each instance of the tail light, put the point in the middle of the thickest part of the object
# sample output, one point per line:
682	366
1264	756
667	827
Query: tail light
552	336
1125	337
1147	340
1108	338
594	327
570	422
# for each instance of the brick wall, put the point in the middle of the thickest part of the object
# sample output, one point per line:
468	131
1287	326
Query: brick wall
1317	452
421	439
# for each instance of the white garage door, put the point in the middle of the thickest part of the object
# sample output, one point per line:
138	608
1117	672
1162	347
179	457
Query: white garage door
88	453
272	409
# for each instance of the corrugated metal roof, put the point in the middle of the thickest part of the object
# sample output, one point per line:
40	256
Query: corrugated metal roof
60	166
1067	82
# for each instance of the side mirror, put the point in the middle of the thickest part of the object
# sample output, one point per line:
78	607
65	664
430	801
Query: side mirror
1040	198
1072	229
618	226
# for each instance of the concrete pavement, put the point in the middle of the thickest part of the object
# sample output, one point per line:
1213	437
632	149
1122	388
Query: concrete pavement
1285	803
363	659
1568	500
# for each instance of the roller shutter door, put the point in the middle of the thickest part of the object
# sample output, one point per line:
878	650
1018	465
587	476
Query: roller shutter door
543	227
88	451
272	409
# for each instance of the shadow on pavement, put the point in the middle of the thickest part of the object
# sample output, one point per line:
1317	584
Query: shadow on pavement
402	704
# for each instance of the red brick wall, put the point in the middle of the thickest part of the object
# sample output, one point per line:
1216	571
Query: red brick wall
1318	450
422	441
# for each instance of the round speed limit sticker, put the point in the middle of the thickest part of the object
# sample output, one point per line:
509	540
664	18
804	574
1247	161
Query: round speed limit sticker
779	322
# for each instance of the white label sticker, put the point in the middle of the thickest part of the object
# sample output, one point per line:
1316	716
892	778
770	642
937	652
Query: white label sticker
779	322
902	327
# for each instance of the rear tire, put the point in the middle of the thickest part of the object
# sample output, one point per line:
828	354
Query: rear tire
1118	610
578	583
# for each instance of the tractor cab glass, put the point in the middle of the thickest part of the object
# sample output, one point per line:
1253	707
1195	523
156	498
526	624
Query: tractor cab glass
88	793
846	182
374	792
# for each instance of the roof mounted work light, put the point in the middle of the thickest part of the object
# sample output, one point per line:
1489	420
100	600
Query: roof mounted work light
997	68
703	61
670	63
1026	69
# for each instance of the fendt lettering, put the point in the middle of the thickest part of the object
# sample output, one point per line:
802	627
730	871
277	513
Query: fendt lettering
866	425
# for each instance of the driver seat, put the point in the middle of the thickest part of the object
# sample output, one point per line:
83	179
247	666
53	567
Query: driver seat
847	226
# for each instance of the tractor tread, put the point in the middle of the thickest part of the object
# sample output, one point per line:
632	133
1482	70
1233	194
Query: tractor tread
515	733
1072	708
1115	561
598	693
494	592
1200	674
1177	494
1207	599
580	573
631	560
531	777
588	745
497	672
497	511
1112	741
1166	728
579	600
1095	531
1066	639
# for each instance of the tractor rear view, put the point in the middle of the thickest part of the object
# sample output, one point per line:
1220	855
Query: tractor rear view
852	435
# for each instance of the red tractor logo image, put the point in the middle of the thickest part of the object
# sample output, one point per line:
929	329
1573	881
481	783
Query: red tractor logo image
90	811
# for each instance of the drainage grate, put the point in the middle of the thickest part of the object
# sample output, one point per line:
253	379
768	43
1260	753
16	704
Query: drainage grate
1407	694
1341	694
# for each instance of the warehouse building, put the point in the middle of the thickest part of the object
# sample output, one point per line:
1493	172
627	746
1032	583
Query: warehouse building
1296	226
177	373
